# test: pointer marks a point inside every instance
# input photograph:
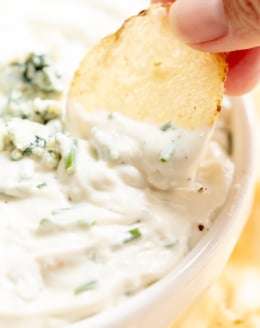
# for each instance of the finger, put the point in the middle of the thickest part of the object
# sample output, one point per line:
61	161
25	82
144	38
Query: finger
244	71
217	25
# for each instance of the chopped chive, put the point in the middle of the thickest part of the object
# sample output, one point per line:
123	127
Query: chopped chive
70	160
41	185
133	234
129	293
163	160
92	284
85	224
44	221
166	126
167	153
46	225
110	116
171	244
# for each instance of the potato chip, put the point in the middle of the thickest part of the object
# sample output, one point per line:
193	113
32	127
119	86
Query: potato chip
145	72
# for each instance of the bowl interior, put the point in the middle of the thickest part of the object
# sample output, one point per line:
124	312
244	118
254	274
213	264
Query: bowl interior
162	302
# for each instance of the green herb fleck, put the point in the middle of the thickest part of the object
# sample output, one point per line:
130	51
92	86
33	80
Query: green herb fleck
42	185
44	221
166	126
83	224
133	234
167	153
46	225
110	116
171	244
70	160
92	284
163	160
129	293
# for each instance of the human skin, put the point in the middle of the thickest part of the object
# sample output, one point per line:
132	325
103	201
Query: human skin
231	26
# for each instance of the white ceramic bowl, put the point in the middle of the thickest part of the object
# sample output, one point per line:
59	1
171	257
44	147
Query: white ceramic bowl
159	305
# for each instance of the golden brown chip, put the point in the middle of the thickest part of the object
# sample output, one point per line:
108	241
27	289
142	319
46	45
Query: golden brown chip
145	72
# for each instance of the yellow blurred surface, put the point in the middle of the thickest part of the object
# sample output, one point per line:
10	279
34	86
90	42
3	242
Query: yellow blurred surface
234	300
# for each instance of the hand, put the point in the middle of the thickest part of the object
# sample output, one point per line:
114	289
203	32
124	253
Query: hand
231	26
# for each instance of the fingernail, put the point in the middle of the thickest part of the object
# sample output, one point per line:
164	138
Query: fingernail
199	21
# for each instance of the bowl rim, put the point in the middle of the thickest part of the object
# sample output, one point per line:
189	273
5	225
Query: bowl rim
241	193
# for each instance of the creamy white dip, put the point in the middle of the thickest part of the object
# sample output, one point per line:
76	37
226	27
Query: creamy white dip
88	220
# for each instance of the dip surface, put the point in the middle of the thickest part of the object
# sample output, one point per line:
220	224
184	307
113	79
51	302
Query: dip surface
90	219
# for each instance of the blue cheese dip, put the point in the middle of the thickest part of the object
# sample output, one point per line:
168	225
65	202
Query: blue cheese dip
90	218
87	222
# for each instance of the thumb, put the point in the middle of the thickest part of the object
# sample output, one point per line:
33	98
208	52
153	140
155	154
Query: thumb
217	25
